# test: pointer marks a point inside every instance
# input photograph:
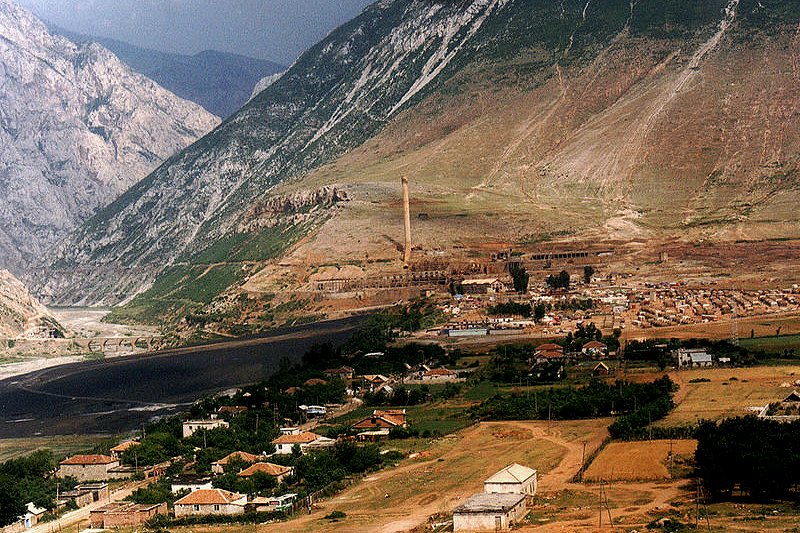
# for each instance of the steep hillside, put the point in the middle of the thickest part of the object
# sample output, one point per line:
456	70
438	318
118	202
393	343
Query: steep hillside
220	82
517	121
77	128
21	315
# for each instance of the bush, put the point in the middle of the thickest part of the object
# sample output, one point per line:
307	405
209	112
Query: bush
335	516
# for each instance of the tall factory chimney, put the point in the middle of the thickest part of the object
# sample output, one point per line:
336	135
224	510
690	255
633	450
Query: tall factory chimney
407	213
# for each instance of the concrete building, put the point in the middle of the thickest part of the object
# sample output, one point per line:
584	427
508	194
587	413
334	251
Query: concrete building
124	514
482	286
438	375
694	358
214	501
489	512
84	495
89	467
513	479
191	426
191	483
279	472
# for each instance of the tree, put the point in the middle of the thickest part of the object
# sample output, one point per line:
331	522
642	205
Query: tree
521	278
559	282
588	272
539	311
11	504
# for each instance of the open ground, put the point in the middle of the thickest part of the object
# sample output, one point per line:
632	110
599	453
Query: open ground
638	461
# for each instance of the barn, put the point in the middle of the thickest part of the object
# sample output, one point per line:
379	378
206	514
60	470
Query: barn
514	479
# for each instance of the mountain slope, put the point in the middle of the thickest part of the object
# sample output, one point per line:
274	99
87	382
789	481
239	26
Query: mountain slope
77	128
517	119
220	82
21	314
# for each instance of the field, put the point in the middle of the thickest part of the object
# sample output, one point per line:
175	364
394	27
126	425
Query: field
449	471
774	345
637	461
729	393
60	446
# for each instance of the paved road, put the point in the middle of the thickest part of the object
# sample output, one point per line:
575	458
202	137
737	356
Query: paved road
120	394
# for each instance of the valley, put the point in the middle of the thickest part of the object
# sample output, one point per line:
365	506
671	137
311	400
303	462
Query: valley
451	237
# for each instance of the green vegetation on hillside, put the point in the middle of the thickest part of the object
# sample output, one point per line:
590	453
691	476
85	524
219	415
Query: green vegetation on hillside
184	289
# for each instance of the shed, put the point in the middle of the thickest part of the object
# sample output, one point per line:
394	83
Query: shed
514	478
489	512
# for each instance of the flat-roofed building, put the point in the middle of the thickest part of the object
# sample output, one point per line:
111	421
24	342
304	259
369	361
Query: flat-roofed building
489	512
124	514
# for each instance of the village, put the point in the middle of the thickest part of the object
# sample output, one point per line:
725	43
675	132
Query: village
264	453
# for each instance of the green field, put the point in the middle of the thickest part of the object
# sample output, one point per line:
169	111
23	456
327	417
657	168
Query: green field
60	446
772	344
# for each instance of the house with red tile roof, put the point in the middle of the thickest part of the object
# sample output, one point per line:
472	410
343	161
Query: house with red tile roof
277	471
218	467
303	439
211	502
89	467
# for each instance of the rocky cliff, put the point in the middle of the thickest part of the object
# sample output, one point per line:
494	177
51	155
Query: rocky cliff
21	315
77	129
220	82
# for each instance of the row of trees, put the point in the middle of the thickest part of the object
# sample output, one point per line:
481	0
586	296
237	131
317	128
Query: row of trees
755	456
638	403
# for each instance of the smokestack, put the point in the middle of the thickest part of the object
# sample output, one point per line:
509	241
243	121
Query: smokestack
407	209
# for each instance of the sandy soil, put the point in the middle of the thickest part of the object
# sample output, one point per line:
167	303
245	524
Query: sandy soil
87	322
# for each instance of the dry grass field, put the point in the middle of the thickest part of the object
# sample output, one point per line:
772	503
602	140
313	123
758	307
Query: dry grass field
444	475
729	393
637	461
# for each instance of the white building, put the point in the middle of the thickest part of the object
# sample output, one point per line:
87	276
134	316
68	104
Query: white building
489	512
192	426
513	479
694	358
303	439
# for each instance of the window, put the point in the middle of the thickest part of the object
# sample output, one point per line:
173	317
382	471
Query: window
197	508
216	507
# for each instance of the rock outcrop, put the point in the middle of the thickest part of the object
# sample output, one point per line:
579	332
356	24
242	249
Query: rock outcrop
77	129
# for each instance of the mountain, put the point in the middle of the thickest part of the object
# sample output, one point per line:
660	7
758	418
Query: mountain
77	128
518	121
21	314
220	82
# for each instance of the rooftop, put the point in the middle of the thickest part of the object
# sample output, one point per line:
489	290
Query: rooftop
242	456
489	503
266	468
119	448
299	438
515	473
209	497
89	460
